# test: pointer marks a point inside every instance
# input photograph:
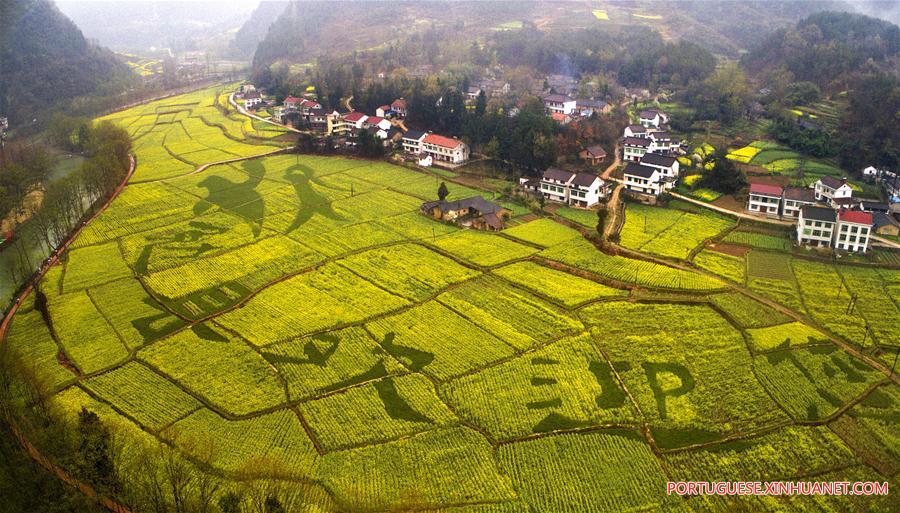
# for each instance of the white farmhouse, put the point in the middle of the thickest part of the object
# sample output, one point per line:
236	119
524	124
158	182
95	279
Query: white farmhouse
668	167
815	226
661	142
555	184
252	99
796	198
653	117
870	172
412	141
829	189
445	149
560	104
586	190
634	148
635	131
853	230
643	179
765	198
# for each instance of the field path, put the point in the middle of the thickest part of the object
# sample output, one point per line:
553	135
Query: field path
612	209
615	163
203	167
759	219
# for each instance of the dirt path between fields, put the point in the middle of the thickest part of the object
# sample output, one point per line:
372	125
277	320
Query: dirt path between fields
35	454
612	210
615	163
203	167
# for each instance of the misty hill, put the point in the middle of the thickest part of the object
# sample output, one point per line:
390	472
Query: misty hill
307	29
46	61
829	48
255	29
137	26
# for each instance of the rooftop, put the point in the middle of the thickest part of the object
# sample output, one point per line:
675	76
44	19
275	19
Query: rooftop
478	203
558	98
832	182
800	194
817	213
637	141
440	140
585	179
766	189
635	169
560	175
414	134
855	216
596	150
354	116
655	159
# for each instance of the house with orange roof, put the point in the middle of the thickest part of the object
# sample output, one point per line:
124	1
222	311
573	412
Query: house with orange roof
445	149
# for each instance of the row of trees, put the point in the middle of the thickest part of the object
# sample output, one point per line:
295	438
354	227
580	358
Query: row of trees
66	201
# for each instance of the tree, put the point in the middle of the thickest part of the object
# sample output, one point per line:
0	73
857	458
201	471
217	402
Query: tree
480	104
724	177
94	452
230	503
273	505
724	96
443	191
601	219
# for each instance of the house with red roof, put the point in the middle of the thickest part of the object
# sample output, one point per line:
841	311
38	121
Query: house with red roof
765	198
853	230
445	149
292	102
383	111
399	106
351	122
378	122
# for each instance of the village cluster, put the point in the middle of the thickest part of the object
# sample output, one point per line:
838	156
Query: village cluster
826	214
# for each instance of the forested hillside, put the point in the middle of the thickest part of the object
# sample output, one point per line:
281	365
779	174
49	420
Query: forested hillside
308	29
828	48
255	29
46	61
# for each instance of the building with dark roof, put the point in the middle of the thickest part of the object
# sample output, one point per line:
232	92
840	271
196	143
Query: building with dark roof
633	148
475	212
796	198
815	226
593	154
642	179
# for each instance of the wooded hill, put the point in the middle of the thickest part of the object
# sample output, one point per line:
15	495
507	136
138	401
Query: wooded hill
46	62
829	48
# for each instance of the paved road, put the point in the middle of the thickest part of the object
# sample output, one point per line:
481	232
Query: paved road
760	219
254	116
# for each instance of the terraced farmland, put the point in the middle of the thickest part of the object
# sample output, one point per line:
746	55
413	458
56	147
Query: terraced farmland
293	321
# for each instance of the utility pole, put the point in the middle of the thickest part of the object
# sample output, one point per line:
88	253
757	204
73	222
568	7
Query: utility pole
895	360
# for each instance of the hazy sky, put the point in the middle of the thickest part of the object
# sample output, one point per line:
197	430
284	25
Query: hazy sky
234	5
